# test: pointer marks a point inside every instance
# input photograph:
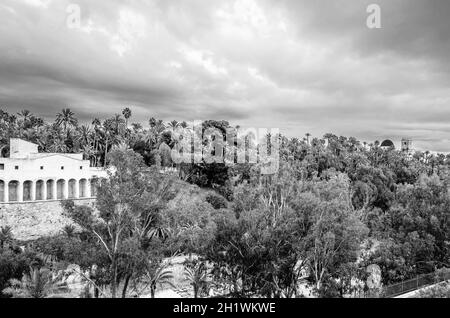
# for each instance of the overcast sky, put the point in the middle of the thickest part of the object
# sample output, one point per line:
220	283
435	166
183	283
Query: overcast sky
301	66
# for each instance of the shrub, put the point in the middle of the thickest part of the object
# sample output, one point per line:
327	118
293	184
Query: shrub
217	201
6	236
12	266
37	283
441	290
69	231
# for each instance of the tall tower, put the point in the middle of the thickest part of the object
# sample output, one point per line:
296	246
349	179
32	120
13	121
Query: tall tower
407	145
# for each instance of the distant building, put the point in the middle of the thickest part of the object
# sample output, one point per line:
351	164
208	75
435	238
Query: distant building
28	175
387	145
407	146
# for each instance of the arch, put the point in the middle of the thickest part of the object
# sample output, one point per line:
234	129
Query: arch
61	189
72	191
27	190
40	195
2	191
13	192
50	190
83	188
94	183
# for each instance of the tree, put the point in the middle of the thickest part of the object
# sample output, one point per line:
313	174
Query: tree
13	263
66	118
197	275
38	283
190	220
6	236
108	133
82	249
128	202
118	123
336	232
157	276
287	226
165	153
441	290
414	232
173	124
127	114
69	231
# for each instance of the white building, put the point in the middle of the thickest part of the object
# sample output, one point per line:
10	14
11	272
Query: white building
407	146
28	175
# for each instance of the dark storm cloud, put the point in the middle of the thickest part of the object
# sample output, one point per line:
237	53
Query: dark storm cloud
413	28
301	66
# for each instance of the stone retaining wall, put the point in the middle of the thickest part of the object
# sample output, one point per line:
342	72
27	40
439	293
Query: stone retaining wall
32	220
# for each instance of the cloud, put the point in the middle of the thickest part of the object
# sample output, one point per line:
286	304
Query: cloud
301	66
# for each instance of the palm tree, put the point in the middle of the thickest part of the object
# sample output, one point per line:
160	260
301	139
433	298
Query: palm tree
122	145
159	232
2	150
117	123
96	123
69	231
197	275
426	156
38	283
136	127
154	133
152	122
108	126
173	124
24	123
127	114
88	153
84	136
156	277
25	114
6	236
165	153
66	118
59	145
158	125
12	121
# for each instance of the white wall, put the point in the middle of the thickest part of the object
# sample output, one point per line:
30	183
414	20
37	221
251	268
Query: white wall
30	169
21	149
54	167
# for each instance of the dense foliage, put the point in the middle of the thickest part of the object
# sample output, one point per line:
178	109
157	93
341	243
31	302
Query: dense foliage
335	206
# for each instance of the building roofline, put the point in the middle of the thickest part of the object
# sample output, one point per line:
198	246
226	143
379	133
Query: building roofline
46	155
